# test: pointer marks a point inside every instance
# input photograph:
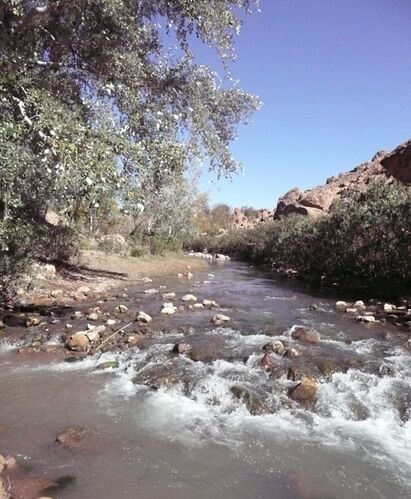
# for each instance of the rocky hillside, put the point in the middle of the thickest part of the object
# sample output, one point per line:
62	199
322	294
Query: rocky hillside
317	201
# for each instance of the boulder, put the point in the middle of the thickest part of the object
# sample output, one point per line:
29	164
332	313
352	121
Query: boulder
78	342
254	403
109	364
183	349
275	346
398	163
305	392
388	307
266	363
168	309
210	303
33	321
305	335
121	309
341	306
93	316
77	439
188	298
134	339
359	305
84	290
111	322
220	319
366	318
30	486
143	317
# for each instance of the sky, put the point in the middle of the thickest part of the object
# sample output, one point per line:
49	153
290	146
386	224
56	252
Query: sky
335	80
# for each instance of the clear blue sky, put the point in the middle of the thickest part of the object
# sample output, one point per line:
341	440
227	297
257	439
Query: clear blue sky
335	80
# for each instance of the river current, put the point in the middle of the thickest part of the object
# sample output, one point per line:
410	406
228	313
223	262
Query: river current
191	437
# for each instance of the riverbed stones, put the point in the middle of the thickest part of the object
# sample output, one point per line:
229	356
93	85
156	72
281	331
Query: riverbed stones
266	363
341	306
305	335
84	290
133	339
168	309
169	296
30	486
388	307
366	318
189	298
93	316
111	322
198	306
151	291
78	342
220	319
254	404
121	309
77	439
109	364
183	349
33	321
143	317
305	392
210	303
275	346
359	305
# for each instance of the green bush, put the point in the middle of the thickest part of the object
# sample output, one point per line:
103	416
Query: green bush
138	250
364	243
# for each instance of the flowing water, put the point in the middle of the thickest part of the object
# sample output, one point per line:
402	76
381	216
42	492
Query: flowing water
191	437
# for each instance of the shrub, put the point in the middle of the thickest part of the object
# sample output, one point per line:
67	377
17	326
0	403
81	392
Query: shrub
364	242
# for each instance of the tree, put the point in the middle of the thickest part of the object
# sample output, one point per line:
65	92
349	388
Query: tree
96	94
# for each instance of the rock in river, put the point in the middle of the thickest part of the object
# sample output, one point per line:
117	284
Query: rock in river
220	319
305	335
78	342
305	392
143	317
189	297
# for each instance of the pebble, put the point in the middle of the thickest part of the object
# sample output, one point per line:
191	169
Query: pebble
143	317
189	298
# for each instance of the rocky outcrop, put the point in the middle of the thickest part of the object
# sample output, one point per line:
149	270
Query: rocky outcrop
398	163
317	201
239	220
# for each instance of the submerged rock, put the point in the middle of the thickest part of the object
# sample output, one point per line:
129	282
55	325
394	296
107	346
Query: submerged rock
30	486
305	335
143	317
305	392
266	363
121	309
341	306
183	349
77	439
220	319
78	342
210	303
187	298
110	364
32	321
275	346
255	404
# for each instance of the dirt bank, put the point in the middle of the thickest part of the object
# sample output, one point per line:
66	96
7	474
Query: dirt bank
97	272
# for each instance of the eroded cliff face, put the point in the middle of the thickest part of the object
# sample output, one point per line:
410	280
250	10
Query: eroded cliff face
398	163
317	201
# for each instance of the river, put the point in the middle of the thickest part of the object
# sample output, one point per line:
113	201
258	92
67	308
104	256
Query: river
192	437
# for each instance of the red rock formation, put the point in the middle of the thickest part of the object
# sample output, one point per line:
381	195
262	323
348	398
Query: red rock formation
317	201
398	163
